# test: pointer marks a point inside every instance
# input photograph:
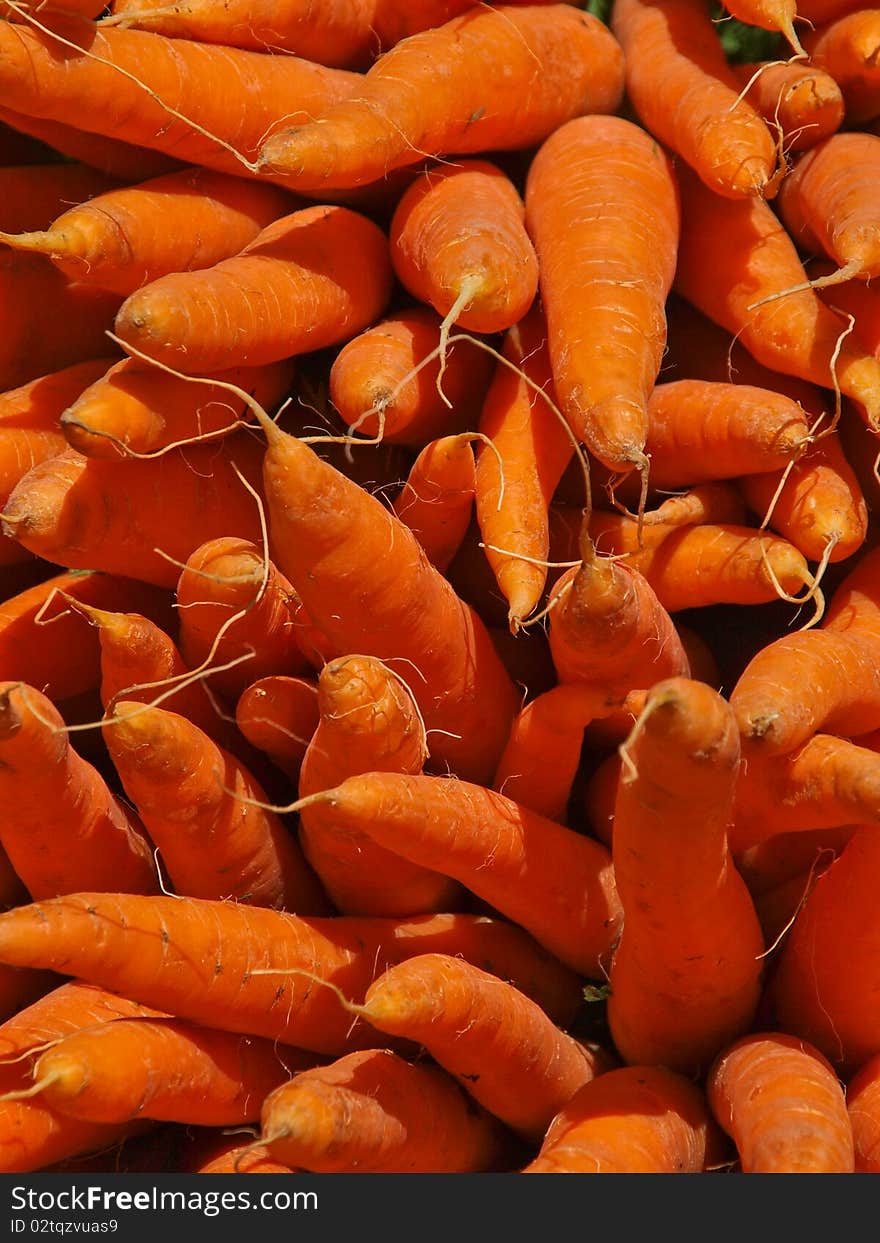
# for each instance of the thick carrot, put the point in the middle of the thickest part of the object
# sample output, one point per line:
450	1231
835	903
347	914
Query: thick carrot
802	99
164	1069
135	408
62	827
459	243
778	902
290	291
605	228
632	1120
368	722
686	975
84	512
32	195
240	968
501	1047
797	335
781	1102
34	1137
122	84
515	482
437	499
120	160
191	795
863	1106
427	96
337	544
278	715
555	883
686	95
380	383
375	1112
846	47
71	1006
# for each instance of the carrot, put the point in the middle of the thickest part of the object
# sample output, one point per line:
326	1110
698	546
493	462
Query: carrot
368	722
228	1155
862	1106
62	827
239	968
338	33
32	195
279	714
499	1045
777	904
381	384
854	297
632	1120
682	986
287	292
846	47
127	237
686	95
337	544
606	234
803	100
427	96
69	1007
163	1069
160	93
85	512
821	11
34	1137
797	335
775	15
375	1112
781	1102
459	243
437	499
516	482
64	658
190	795
121	160
82	8
714	502
394	20
227	581
561	891
135	408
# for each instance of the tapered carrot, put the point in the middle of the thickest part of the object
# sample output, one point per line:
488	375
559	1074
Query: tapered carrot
518	474
802	99
163	1069
240	968
279	714
190	795
683	982
122	160
437	499
368	722
797	335
71	1006
863	1106
846	47
62	827
380	383
287	292
499	1045
34	1137
559	63
85	512
375	1112
555	883
783	1105
686	95
154	92
606	234
127	237
34	194
458	242
135	408
632	1120
776	15
324	530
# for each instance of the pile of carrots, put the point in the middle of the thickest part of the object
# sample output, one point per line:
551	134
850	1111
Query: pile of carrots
440	623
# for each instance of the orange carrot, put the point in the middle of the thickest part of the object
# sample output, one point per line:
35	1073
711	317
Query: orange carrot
775	15
202	321
278	715
228	1155
437	498
62	827
606	234
375	1112
686	95
121	160
863	1106
682	985
381	385
632	1120
846	47
779	899
71	1006
324	530
781	1102
190	795
394	20
559	63
32	195
458	242
499	1045
34	1137
802	99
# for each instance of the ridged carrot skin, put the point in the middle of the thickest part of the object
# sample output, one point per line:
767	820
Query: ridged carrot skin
559	63
602	210
278	715
863	1105
394	20
775	15
845	45
121	160
684	92
802	99
437	499
72	1005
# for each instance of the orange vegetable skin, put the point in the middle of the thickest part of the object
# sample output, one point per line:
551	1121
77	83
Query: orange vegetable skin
602	210
863	1105
32	195
804	100
117	159
438	497
846	46
278	715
